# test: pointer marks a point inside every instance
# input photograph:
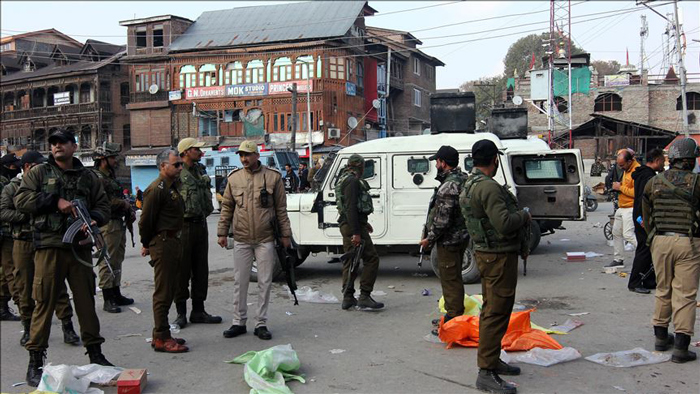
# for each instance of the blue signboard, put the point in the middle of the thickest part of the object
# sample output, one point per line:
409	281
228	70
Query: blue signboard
350	89
253	89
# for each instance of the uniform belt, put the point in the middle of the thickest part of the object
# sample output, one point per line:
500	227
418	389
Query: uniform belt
195	220
171	233
672	234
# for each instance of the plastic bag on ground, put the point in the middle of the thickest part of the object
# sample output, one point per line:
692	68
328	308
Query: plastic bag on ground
629	358
267	371
568	326
545	357
76	379
306	294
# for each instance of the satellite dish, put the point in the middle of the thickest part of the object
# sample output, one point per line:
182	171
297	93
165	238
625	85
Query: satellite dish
376	103
517	100
352	122
153	89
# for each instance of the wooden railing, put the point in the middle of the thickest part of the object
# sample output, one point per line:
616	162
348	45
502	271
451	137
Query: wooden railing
50	111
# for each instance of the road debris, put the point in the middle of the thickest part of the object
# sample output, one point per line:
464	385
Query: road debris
391	287
575	256
174	328
267	371
337	351
378	293
288	313
128	336
629	358
135	310
18	384
545	357
619	388
425	292
579	314
568	326
622	274
306	294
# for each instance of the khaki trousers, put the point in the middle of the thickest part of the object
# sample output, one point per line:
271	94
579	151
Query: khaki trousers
623	230
8	289
370	262
677	265
450	269
52	267
499	277
166	253
23	258
243	255
195	262
115	237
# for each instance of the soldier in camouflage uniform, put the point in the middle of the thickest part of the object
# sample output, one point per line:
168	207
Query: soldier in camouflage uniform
46	193
106	157
597	168
671	213
195	188
446	229
8	170
497	230
354	206
23	256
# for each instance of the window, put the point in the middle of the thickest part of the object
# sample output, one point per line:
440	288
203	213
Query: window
207	75
336	66
608	102
547	169
282	69
468	164
692	101
275	121
254	72
418	165
349	67
209	162
360	75
158	36
416	66
188	77
369	170
141	37
282	122
416	97
224	161
304	67
234	73
124	93
126	134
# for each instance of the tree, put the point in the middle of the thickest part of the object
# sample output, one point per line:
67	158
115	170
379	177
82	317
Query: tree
606	67
519	55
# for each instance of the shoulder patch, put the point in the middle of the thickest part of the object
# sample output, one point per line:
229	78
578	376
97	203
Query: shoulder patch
161	185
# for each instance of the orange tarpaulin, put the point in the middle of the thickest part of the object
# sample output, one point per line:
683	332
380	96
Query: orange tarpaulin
464	331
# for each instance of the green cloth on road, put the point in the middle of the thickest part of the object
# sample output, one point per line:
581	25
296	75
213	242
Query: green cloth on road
267	371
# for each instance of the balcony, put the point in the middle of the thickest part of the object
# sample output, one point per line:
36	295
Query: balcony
144	97
68	109
396	83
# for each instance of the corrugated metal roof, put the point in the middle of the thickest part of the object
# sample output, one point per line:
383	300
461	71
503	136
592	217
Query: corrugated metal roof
269	23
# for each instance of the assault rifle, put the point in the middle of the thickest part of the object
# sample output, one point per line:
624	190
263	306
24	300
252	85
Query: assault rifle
82	223
129	219
355	255
425	227
286	256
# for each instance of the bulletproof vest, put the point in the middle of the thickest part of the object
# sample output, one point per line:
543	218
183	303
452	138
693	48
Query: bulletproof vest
22	230
4	227
364	201
676	209
69	185
112	188
459	178
195	191
484	236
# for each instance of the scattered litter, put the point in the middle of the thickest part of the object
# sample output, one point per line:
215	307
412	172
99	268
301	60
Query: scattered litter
315	336
76	379
432	338
418	274
267	371
622	274
391	287
610	270
149	340
696	344
337	351
592	255
18	384
425	292
132	381
289	313
306	294
518	307
597	225
579	314
135	310
128	336
378	293
619	388
575	256
629	247
174	328
565	240
568	326
629	358
545	357
249	303
312	380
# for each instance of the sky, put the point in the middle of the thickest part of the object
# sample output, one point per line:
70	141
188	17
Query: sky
470	48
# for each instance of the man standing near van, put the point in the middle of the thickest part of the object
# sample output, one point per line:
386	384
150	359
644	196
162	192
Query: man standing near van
623	228
497	230
446	229
354	206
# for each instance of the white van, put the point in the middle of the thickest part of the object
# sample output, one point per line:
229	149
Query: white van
402	180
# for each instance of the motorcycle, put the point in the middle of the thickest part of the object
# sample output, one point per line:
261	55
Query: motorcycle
591	200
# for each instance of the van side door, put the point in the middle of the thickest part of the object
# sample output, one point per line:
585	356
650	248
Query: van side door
549	183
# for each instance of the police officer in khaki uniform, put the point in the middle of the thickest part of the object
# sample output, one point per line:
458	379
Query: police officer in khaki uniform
23	256
160	228
671	213
354	206
446	229
46	193
497	230
9	168
254	196
195	189
114	232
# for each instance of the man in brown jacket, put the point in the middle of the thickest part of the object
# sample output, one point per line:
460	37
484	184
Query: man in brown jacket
254	196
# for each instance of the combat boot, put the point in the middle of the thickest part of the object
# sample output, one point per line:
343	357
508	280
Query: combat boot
69	335
25	335
96	356
199	315
349	301
681	354
6	313
110	304
663	341
34	369
181	319
119	299
489	381
505	369
367	303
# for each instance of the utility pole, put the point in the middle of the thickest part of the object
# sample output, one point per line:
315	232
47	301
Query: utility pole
293	142
308	115
643	34
681	69
388	89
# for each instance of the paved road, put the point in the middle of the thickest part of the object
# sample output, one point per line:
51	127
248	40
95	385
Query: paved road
385	352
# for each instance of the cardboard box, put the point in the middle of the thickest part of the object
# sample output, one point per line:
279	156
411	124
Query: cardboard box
131	381
575	256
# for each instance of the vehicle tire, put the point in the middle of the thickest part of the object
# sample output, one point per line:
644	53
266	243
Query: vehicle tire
535	235
276	272
591	205
607	230
470	271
